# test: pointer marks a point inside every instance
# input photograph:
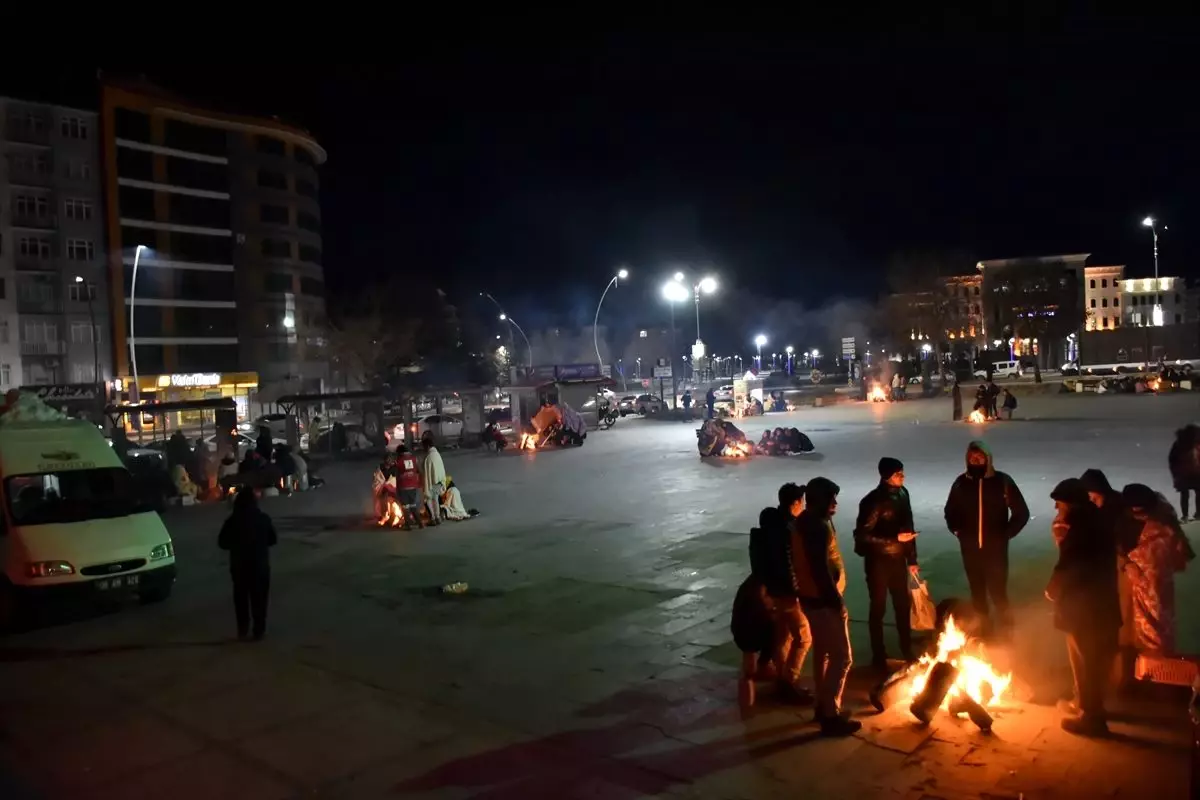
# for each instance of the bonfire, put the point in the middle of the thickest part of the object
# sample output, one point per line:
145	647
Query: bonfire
977	417
957	679
528	441
393	516
737	449
877	394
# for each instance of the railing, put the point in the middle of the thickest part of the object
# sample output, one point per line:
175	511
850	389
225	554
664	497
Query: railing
33	263
26	305
32	221
18	132
43	348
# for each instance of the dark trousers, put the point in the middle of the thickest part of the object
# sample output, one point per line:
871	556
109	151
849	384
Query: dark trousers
1091	657
987	575
888	575
250	589
1183	501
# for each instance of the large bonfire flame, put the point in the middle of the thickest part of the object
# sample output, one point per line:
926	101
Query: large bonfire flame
393	515
528	441
977	417
877	394
737	449
976	678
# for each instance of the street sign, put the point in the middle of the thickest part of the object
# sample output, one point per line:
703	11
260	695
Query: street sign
662	372
848	346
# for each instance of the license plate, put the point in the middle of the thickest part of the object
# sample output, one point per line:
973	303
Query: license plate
120	582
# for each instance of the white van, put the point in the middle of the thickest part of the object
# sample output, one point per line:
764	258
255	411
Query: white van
71	525
1002	369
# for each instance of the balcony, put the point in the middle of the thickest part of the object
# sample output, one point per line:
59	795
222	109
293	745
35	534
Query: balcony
37	305
43	348
32	221
27	263
21	130
25	173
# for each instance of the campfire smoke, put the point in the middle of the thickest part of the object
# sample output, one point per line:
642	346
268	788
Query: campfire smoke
954	676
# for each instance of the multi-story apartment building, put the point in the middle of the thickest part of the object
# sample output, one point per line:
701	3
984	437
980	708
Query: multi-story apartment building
219	215
950	315
1034	305
53	318
1102	297
1142	294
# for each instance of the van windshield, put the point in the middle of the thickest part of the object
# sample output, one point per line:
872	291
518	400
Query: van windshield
71	496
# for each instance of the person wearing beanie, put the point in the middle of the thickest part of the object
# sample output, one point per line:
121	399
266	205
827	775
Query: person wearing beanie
884	537
984	510
818	576
1083	588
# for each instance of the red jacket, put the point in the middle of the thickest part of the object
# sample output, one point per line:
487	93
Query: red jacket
407	476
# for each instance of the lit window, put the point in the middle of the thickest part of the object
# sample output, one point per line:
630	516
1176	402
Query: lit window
642	334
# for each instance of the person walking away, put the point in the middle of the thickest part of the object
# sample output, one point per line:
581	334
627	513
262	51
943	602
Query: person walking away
884	537
820	580
993	393
179	453
1083	588
264	444
287	467
710	400
770	565
1184	461
249	535
1010	404
686	400
984	510
956	397
1162	550
408	487
434	483
1125	531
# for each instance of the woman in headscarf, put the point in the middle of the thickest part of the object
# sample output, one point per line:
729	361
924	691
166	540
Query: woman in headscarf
1161	551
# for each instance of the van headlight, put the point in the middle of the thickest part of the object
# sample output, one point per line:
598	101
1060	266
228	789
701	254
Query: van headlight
162	551
48	569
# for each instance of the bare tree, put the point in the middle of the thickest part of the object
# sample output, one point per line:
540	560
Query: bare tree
369	342
920	280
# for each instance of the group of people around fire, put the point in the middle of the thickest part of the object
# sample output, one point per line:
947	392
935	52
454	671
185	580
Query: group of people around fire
417	486
1112	586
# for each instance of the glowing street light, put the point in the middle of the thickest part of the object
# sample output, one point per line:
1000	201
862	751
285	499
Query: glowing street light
1157	316
621	275
506	318
789	350
674	292
759	341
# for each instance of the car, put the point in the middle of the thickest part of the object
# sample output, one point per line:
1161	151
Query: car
244	443
444	427
627	405
276	423
1002	369
649	404
723	393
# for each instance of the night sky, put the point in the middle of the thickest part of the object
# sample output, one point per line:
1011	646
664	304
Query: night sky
795	168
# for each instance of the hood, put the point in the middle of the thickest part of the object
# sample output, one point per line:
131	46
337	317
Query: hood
983	448
1096	481
1188	435
1072	491
820	493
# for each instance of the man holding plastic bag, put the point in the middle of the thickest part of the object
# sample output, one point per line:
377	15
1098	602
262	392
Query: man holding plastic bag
884	537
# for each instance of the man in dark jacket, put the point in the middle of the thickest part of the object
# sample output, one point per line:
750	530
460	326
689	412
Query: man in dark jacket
884	537
248	535
1184	462
818	576
1083	589
984	510
770	566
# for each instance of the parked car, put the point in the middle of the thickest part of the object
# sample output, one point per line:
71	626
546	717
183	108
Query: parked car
444	428
627	405
1002	369
276	423
724	393
649	404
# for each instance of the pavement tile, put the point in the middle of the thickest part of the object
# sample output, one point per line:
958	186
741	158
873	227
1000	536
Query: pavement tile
207	775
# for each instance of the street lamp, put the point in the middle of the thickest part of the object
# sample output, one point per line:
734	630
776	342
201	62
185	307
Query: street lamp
500	308
789	350
1157	318
622	274
506	318
133	394
87	288
674	292
759	341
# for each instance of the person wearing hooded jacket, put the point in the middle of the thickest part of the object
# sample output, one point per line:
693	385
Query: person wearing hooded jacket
248	535
984	510
884	537
818	579
1184	462
1083	588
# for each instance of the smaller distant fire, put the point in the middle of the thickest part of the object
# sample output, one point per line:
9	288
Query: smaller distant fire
393	516
977	417
528	441
737	450
877	394
1155	384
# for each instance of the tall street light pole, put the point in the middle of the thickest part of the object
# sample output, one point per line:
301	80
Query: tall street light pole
622	274
133	395
674	292
513	322
759	341
1157	318
500	308
87	288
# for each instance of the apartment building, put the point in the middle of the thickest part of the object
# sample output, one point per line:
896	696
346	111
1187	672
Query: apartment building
217	215
54	320
1142	294
1102	297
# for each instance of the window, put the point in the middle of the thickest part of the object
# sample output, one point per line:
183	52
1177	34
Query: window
1116	302
3	292
269	179
134	203
193	174
82	292
310	253
203	212
74	128
3	331
1104	302
1092	284
273	147
138	164
31	207
312	287
275	215
80	249
1105	325
79	169
195	138
40	332
302	156
308	222
1104	283
33	247
1178	299
1093	302
82	332
306	188
5	374
276	248
205	321
83	373
976	291
78	209
1116	322
131	125
198	247
277	282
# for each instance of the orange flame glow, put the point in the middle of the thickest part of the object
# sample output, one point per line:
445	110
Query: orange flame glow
976	678
528	441
977	417
393	515
877	394
737	450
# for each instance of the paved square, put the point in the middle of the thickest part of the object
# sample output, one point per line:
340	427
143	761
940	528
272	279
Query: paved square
591	656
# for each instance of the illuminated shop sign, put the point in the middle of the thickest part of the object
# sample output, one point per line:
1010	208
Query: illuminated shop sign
196	379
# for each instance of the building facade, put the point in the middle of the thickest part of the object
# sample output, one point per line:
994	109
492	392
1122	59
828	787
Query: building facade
1034	306
1142	294
54	321
217	216
1102	298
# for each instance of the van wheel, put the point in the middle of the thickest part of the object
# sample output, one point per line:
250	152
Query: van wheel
156	595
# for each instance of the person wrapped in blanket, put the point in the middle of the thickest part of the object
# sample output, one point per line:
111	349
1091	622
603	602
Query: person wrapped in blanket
784	442
452	503
715	435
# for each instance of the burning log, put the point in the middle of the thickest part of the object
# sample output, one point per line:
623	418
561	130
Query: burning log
939	683
963	704
892	688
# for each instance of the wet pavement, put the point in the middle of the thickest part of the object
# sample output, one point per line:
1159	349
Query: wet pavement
590	656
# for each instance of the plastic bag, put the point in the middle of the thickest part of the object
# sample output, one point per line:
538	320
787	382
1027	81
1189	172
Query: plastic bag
923	615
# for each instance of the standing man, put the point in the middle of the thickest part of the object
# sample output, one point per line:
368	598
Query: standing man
710	400
884	537
434	478
984	510
687	405
408	487
819	577
248	535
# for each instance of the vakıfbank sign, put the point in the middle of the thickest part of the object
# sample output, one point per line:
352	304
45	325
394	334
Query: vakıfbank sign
195	380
